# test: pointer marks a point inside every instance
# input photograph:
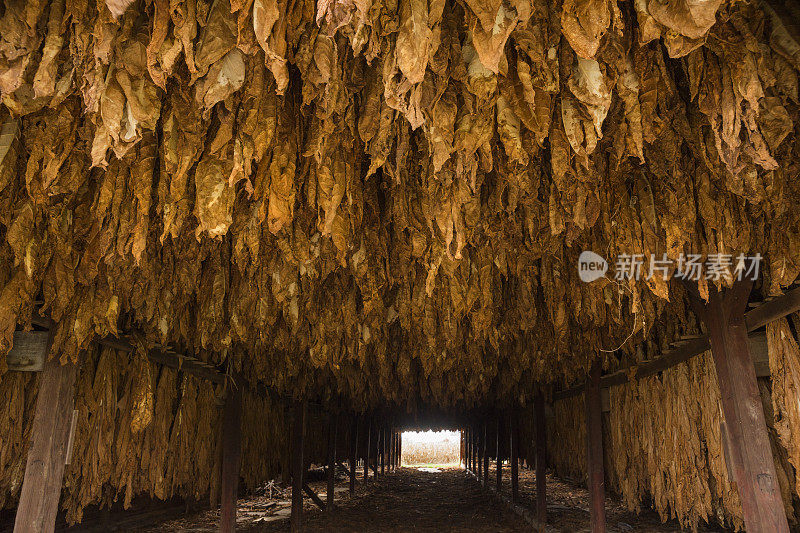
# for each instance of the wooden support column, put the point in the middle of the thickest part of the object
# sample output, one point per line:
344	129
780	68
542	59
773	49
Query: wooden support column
486	452
499	470
541	461
49	448
514	444
479	453
353	453
298	464
231	456
594	451
331	462
367	451
748	441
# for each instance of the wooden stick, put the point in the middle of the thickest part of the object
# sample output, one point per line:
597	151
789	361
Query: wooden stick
314	497
44	471
231	456
594	452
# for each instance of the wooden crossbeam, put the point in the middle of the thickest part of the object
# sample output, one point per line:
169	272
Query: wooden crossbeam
314	497
160	355
754	319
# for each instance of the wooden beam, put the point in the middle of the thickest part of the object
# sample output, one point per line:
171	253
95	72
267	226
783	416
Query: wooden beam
331	461
314	497
48	452
298	466
514	444
594	451
749	448
540	427
353	453
231	456
28	352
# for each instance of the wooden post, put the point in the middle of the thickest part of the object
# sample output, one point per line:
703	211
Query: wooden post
749	446
331	461
231	455
383	450
467	449
298	464
486	452
48	452
499	471
594	450
479	457
353	453
367	451
541	461
376	466
514	444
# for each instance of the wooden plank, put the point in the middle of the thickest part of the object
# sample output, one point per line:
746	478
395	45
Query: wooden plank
28	352
353	454
298	466
44	470
514	444
594	452
540	427
748	442
331	462
231	456
314	497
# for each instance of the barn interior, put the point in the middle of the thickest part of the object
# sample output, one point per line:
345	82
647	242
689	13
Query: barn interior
227	226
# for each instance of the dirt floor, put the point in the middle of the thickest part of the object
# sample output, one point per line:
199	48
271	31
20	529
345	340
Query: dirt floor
413	499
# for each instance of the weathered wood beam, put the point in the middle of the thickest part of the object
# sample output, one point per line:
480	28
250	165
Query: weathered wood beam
594	451
231	456
49	449
749	448
540	428
314	497
158	354
298	466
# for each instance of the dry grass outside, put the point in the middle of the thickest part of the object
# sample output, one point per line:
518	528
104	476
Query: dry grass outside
431	449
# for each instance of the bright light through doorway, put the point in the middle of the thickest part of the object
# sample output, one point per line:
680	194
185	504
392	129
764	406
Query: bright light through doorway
431	449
